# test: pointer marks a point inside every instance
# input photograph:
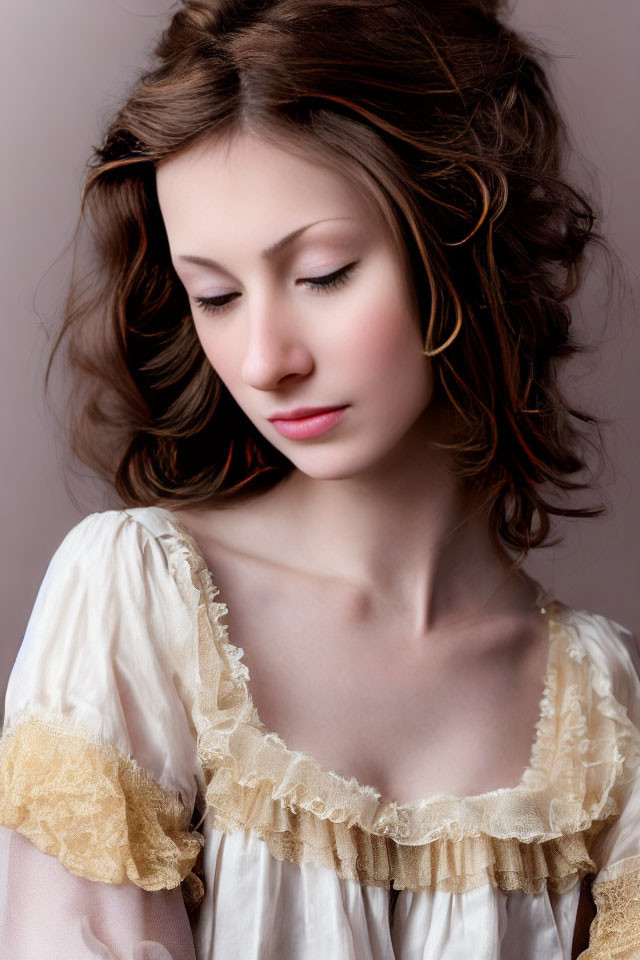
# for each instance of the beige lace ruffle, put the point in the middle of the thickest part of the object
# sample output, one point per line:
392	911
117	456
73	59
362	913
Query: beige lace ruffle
99	812
615	932
357	854
585	748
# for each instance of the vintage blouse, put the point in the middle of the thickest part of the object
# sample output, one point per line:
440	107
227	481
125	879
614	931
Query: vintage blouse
133	764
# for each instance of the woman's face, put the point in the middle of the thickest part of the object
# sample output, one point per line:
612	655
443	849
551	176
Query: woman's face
300	299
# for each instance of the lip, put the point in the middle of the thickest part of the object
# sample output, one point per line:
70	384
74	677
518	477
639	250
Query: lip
301	412
301	425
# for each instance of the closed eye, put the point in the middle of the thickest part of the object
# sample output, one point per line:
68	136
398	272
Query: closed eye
324	284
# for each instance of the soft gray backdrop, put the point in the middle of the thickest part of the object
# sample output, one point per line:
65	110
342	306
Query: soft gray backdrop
64	67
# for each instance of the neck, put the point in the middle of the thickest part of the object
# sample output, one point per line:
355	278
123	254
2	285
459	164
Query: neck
407	527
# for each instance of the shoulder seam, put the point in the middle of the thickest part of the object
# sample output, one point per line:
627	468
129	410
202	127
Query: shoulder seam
132	519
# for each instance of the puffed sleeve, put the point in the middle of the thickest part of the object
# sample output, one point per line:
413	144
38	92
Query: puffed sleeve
615	931
99	773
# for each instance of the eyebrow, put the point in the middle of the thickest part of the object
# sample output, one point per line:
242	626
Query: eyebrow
270	253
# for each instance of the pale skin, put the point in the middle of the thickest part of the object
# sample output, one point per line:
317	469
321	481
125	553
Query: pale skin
384	634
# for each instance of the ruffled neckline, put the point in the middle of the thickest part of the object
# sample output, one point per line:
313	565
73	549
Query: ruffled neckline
559	791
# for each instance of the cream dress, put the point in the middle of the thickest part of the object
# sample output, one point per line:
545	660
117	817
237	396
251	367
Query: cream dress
132	760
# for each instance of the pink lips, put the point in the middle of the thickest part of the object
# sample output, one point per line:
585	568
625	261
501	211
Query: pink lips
307	422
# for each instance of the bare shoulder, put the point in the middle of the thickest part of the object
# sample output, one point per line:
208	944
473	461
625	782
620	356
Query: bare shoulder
246	552
309	639
243	527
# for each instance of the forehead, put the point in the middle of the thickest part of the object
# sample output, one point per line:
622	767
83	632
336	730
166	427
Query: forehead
248	181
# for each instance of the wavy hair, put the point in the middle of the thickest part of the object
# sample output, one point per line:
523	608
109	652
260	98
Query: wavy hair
445	116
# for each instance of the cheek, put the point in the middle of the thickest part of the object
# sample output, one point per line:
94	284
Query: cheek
384	340
221	352
386	356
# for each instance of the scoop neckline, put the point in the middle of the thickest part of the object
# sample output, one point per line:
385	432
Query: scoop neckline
545	602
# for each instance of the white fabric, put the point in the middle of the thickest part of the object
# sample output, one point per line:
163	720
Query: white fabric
261	908
620	844
110	647
47	913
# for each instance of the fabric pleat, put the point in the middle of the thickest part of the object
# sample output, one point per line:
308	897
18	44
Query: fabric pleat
134	758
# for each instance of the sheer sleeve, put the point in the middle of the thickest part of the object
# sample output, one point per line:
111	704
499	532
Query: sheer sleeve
615	931
99	773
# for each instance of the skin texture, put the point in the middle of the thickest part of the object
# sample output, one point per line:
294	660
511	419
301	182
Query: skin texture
364	589
279	344
81	919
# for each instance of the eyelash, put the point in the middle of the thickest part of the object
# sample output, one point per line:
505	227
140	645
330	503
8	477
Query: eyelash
331	281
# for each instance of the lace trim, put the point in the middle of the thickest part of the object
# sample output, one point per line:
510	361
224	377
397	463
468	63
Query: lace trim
585	744
99	812
615	932
585	749
356	854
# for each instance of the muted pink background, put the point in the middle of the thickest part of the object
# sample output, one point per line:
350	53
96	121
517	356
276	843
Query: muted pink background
65	66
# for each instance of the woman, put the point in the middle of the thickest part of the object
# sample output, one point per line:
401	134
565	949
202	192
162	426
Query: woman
297	698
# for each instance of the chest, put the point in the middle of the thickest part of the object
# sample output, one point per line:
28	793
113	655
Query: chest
332	674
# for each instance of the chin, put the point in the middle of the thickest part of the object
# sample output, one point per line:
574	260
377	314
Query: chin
327	464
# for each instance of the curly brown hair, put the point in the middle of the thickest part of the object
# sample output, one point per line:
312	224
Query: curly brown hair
445	115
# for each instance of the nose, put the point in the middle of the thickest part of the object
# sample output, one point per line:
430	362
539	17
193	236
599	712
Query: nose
275	348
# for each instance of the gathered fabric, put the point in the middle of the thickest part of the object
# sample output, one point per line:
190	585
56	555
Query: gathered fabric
133	753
